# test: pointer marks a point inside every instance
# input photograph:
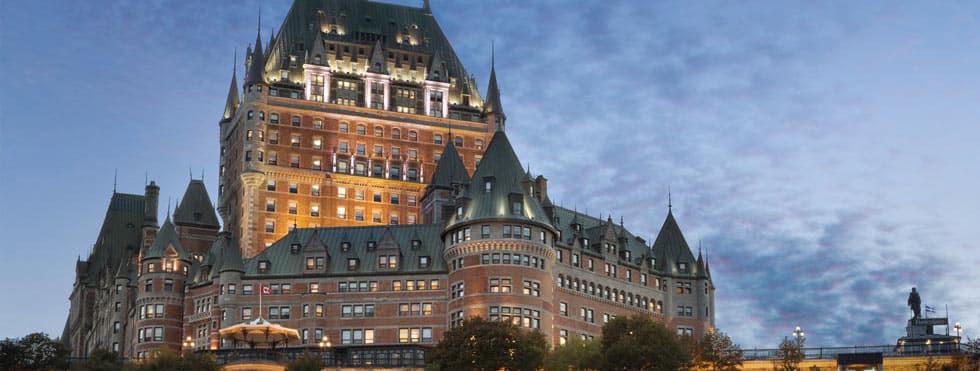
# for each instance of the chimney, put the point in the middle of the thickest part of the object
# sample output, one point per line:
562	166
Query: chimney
150	205
542	187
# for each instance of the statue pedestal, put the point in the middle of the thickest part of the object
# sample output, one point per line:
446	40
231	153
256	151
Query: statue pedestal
921	337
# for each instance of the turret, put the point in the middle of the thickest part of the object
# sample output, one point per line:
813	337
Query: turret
450	176
231	103
492	109
256	66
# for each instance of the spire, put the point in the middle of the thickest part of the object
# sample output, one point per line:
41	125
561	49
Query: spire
231	103
272	41
492	106
426	9
378	64
670	204
256	68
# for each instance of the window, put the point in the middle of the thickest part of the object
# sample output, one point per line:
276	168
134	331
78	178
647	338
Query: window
318	123
457	290
352	264
437	139
318	310
379	131
361	130
168	285
292	207
246	314
341	212
423	262
563	308
343	127
295	121
532	288
314	210
394	199
270	226
515	207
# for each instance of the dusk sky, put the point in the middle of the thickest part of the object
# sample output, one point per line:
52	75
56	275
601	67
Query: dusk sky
825	153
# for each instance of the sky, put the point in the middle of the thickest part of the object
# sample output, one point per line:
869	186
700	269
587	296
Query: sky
825	154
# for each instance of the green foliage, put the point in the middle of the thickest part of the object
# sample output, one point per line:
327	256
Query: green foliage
306	362
790	355
33	352
103	360
640	343
483	345
576	354
715	351
165	359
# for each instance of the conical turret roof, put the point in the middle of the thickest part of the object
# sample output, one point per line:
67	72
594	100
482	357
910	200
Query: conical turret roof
502	169
493	105
256	70
232	102
166	237
196	207
671	248
449	169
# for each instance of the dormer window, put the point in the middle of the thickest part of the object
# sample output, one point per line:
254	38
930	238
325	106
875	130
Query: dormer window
627	254
577	227
653	261
416	244
585	242
459	211
682	267
371	245
263	266
345	246
352	264
516	207
294	248
488	184
423	262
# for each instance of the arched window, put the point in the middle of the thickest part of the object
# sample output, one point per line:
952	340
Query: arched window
459	142
413	136
251	114
437	139
396	133
273	118
561	280
344	127
361	130
261	115
379	131
296	121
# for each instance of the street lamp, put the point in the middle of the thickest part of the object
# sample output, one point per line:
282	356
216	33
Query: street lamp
188	343
799	334
958	328
324	342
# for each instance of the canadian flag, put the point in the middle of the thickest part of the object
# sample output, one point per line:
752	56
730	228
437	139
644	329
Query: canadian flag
265	289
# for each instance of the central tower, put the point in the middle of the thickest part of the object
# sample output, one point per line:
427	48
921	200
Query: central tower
345	113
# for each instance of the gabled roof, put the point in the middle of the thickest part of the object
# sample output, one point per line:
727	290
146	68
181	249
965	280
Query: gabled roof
592	228
318	50
283	262
166	238
449	170
501	167
378	63
195	207
437	70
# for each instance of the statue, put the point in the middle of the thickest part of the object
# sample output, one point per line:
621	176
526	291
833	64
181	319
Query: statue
915	302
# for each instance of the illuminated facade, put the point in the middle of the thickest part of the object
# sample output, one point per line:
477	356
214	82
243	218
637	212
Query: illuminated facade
344	115
343	192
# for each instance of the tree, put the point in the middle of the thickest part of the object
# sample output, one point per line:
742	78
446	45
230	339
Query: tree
715	351
11	354
790	355
33	352
305	362
103	360
165	359
576	354
483	345
638	342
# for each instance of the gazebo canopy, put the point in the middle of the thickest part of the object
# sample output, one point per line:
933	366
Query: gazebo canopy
259	332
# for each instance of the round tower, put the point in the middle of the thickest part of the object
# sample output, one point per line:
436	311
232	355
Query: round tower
160	293
499	245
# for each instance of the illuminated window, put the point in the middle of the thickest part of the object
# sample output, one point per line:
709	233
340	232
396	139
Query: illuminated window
437	139
341	212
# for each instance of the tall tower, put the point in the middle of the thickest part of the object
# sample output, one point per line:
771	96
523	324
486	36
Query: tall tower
499	244
163	272
344	116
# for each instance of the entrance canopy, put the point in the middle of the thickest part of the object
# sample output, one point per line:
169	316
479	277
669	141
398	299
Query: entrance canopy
260	333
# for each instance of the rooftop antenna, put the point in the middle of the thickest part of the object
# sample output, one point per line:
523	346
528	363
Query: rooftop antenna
115	177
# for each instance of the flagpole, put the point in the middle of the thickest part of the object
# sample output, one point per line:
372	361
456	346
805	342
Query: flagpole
261	288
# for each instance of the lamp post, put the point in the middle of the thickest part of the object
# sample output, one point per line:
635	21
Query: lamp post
958	328
799	334
324	346
188	343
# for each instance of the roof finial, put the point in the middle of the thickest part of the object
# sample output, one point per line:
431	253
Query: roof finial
669	203
115	177
234	65
190	172
168	206
146	178
202	174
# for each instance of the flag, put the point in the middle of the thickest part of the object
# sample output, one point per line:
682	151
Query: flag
266	290
930	309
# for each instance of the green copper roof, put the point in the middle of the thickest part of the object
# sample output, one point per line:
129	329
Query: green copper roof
196	207
365	23
256	70
120	235
329	243
232	102
502	169
166	237
230	255
449	169
670	248
493	95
